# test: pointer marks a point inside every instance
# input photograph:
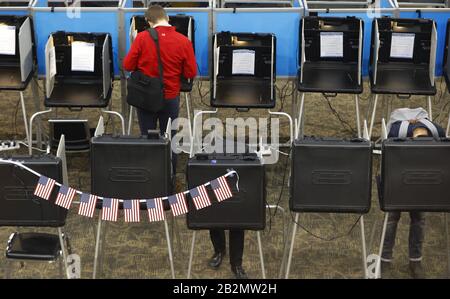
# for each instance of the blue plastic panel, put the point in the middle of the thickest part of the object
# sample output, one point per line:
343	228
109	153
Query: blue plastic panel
441	19
367	19
285	26
49	22
201	36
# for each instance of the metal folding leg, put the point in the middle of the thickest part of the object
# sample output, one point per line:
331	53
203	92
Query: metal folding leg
358	119
374	110
261	256
97	246
24	114
291	248
380	251
169	248
363	244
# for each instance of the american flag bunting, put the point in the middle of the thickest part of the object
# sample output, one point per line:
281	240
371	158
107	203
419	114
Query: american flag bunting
200	197
109	209
155	209
221	188
44	187
131	209
65	196
178	204
87	205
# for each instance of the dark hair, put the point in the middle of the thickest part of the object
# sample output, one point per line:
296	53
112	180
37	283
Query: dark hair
155	13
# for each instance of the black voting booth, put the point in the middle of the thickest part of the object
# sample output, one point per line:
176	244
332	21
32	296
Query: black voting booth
243	70
83	3
446	66
70	87
246	209
255	3
415	175
331	175
338	3
183	24
18	55
330	55
129	167
18	205
403	58
403	55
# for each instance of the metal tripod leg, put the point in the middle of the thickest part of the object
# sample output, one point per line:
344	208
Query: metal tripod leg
97	246
358	119
63	248
191	255
374	110
188	111
363	243
380	251
430	108
169	247
447	243
299	119
25	120
261	256
130	120
294	231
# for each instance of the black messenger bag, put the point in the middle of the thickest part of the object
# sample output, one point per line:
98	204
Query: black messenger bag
144	92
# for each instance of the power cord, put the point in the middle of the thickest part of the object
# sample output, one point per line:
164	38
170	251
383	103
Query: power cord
344	123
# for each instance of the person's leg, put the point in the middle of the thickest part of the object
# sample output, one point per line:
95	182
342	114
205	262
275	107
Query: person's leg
389	239
416	235
171	110
218	240
147	120
236	247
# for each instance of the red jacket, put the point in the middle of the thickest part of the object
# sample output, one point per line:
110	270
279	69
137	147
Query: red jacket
177	57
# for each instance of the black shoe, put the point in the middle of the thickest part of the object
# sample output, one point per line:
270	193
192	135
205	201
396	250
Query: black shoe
238	272
417	272
216	260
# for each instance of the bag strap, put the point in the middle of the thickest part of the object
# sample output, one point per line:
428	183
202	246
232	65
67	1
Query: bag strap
403	130
154	37
430	126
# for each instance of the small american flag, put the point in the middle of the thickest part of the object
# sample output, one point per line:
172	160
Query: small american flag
65	196
155	209
109	209
131	209
44	187
221	188
178	204
200	197
87	205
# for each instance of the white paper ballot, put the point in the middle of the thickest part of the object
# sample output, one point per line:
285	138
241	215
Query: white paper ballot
331	44
83	55
52	62
402	45
243	62
7	40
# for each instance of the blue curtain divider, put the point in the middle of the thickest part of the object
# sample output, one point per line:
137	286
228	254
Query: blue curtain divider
201	36
285	26
47	22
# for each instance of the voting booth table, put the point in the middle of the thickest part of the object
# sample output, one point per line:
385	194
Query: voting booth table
17	57
330	58
183	24
312	4
403	55
254	3
79	74
422	3
243	73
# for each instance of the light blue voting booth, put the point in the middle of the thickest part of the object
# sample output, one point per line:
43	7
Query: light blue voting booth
384	8
81	19
283	22
202	17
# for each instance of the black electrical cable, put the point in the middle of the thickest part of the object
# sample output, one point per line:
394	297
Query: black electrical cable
338	116
326	239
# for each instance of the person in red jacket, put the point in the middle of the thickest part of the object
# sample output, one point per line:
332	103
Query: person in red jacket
178	59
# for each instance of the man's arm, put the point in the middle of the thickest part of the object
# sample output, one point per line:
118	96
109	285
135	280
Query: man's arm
190	64
130	61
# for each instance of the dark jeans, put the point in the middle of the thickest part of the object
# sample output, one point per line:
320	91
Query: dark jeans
236	244
148	121
416	235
